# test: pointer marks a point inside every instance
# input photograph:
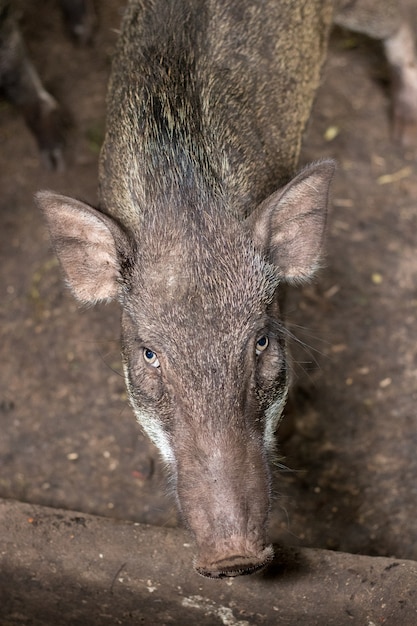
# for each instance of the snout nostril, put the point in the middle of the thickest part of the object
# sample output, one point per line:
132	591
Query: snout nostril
235	565
229	572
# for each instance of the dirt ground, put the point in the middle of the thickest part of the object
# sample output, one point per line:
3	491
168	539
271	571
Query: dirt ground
68	438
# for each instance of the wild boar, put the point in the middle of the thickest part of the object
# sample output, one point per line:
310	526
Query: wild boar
202	221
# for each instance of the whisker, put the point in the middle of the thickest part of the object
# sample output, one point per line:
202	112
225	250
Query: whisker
104	356
307	346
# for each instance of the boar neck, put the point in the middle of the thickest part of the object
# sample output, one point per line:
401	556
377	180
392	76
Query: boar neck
187	113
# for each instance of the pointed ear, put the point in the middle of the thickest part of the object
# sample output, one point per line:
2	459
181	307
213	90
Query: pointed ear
289	225
85	242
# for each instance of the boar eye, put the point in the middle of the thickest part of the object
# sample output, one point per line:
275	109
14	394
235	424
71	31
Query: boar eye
150	357
261	344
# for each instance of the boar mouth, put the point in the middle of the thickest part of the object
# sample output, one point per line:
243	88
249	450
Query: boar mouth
235	564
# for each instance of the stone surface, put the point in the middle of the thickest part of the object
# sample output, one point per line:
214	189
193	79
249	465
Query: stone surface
67	568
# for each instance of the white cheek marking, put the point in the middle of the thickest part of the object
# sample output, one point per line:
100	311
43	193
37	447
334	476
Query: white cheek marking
273	415
155	432
151	425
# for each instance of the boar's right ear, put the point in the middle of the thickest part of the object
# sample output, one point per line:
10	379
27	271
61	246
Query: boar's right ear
84	241
289	225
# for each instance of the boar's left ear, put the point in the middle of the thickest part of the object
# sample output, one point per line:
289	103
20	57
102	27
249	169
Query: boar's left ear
289	225
85	242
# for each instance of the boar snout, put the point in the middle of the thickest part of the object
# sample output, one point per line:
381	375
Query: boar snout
226	504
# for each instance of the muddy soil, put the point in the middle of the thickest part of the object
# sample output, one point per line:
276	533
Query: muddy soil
68	438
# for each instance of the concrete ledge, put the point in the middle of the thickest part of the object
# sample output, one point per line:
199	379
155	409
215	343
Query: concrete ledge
62	567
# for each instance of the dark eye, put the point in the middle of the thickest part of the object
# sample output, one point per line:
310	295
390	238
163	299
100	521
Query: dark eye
261	344
150	357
